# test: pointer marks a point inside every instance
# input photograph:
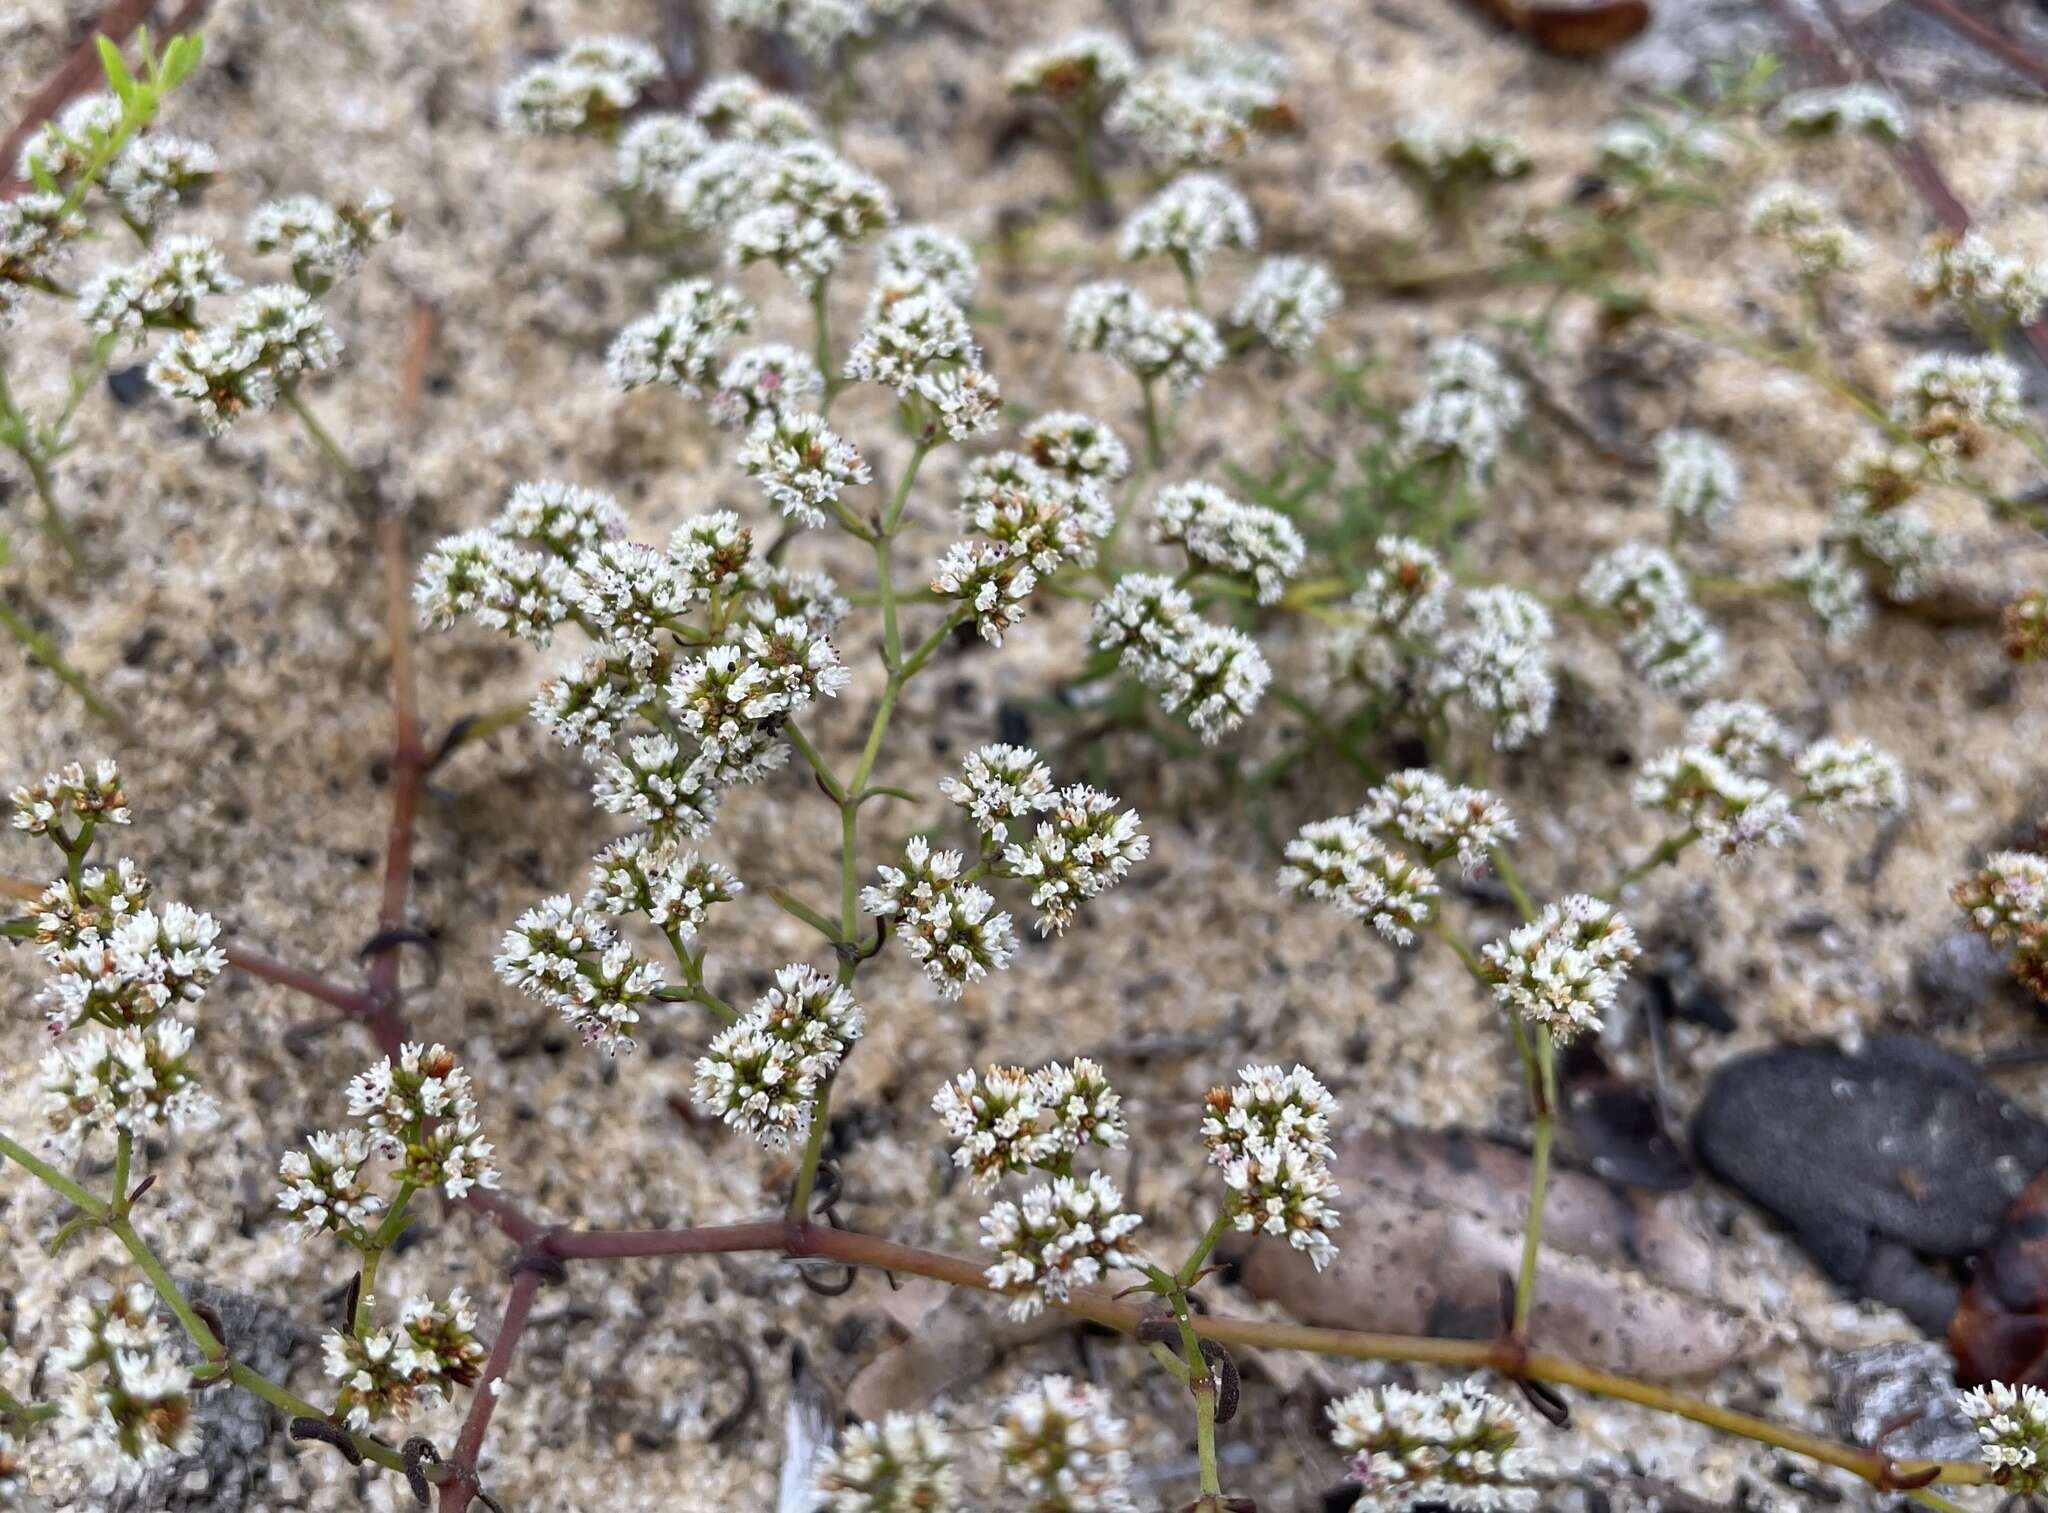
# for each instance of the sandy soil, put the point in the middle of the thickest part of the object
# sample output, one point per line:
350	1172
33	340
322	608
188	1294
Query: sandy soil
237	624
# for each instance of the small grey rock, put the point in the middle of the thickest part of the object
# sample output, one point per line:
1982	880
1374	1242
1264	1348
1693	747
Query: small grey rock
1958	971
1905	1395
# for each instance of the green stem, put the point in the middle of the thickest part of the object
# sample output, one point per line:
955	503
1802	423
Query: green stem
1543	1095
814	1151
817	763
1668	850
784	900
1504	868
50	1177
124	1154
373	1256
822	345
849	870
1155	442
352	477
201	1335
1186	1275
1472	962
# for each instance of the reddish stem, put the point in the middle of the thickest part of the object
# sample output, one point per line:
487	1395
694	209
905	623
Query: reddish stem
457	1492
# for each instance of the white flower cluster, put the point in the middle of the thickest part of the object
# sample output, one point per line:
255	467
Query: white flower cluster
1396	645
1178	345
818	28
1061	1234
1897	541
161	290
590	87
764	380
1836	590
132	1079
1063	1449
762	1073
801	463
673	888
1077	447
1969	270
1948	401
1270	1135
807	206
916	340
1562	970
128	1408
1356	863
1669	642
1646	150
1212	675
569	958
1202	106
323	1186
2006	899
1082	845
2012	1430
35	231
1458	1447
1844	778
119	965
1469	406
1045	514
326	243
1443	154
1698	484
904	1464
155	174
64	147
1288	301
951	928
1844	109
1217	531
1190	220
433	1351
1010	1120
1809	228
679	343
1081	70
71	794
419	1112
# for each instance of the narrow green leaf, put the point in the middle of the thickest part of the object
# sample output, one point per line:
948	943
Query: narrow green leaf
118	77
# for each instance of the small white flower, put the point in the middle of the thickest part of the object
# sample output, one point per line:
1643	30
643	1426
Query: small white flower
1201	107
1808	226
1063	1449
71	794
1010	1120
653	782
1267	1104
322	1187
763	1073
654	149
420	1111
1459	1447
66	146
35	230
951	929
1045	518
765	380
1065	1233
1975	274
1078	446
128	1410
904	1464
433	1351
592	84
1948	401
1084	66
1283	1188
801	463
326	243
989	581
1469	406
1083	846
907	336
2006	899
1501	666
1842	778
961	403
1836	591
1844	108
571	960
2012	1427
1190	220
1563	969
674	889
930	257
1734	812
131	1079
1288	302
561	519
1440	821
1247	540
1698	484
998	784
679	343
1443	153
735	107
1743	734
588	703
163	289
1340	862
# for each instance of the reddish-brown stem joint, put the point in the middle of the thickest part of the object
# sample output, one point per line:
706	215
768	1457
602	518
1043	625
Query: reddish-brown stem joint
322	1432
1890	1478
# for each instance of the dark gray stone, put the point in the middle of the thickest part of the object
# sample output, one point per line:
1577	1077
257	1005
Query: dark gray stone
1902	1399
1873	1161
